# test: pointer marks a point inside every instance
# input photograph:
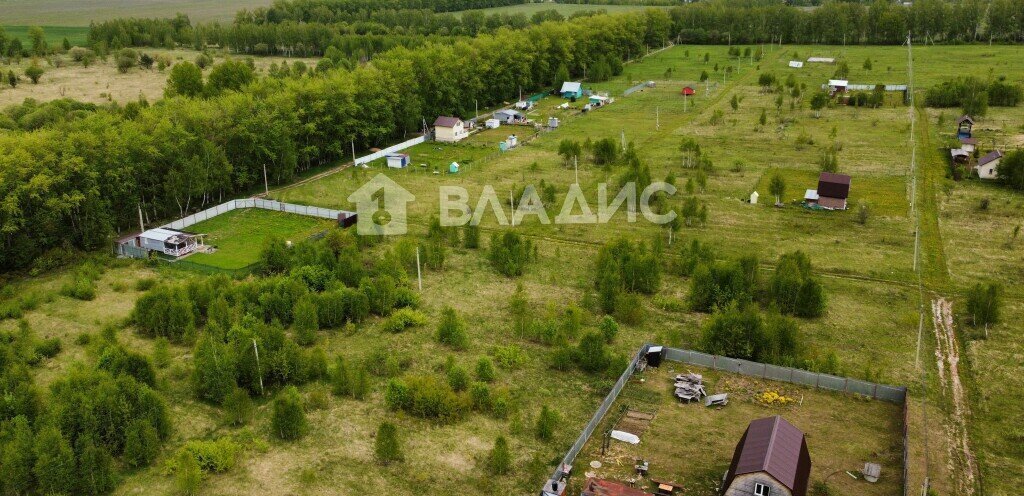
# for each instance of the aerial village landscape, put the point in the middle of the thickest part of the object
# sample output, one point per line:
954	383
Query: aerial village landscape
505	247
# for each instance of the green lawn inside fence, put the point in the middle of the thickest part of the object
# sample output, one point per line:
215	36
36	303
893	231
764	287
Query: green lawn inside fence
239	235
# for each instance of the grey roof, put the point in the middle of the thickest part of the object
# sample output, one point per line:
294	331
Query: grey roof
445	121
776	447
990	156
570	87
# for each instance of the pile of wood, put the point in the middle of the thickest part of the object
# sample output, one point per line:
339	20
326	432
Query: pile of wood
689	387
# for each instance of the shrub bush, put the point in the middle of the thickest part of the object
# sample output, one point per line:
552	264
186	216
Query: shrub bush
403	319
485	370
238	407
451	330
289	419
386	446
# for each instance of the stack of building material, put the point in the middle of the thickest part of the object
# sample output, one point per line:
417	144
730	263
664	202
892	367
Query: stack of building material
689	387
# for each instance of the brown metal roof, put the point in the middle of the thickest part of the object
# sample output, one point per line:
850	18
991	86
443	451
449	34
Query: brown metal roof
969	141
601	487
776	447
832	203
445	121
990	156
964	118
834	185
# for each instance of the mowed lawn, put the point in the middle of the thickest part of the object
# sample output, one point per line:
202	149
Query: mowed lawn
239	235
691	445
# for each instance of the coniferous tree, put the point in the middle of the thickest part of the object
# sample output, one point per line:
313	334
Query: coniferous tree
499	460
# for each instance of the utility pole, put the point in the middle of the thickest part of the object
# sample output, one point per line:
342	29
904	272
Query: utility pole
353	151
258	373
576	168
142	226
266	185
476	109
512	201
657	117
419	275
623	139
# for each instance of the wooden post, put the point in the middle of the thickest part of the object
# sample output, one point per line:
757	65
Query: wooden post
256	350
419	274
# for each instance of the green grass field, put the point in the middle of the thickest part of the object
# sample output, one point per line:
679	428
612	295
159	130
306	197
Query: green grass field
563	8
55	34
239	235
81	13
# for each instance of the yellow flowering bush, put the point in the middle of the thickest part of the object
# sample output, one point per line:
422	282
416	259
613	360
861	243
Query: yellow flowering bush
774	398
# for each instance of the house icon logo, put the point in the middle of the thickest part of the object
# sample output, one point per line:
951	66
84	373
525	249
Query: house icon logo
381	207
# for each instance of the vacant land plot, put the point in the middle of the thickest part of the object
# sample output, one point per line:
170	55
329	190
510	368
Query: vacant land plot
239	235
691	445
55	35
82	12
102	83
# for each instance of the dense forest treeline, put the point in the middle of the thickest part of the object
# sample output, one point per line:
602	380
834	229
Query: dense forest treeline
310	26
358	34
81	177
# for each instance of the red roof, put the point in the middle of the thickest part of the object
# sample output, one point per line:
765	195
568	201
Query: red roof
773	446
688	91
601	487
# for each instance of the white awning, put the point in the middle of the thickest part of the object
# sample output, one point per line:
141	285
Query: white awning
625	437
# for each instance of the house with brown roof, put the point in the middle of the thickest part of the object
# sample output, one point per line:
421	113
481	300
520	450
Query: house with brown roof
832	193
988	166
601	487
771	459
449	129
963	126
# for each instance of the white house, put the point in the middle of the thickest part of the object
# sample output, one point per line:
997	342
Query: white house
837	85
988	166
753	198
449	129
492	123
167	241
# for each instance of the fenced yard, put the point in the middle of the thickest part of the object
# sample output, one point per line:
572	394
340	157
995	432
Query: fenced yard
847	422
239	235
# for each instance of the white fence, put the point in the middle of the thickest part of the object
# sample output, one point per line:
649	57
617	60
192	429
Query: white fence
391	149
223	208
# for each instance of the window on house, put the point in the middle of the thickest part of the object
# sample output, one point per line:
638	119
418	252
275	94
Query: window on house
761	489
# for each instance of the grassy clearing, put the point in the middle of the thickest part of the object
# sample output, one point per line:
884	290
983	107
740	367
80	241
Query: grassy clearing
55	35
75	13
239	235
692	445
565	9
102	83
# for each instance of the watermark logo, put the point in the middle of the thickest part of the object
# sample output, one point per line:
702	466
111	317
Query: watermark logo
381	207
